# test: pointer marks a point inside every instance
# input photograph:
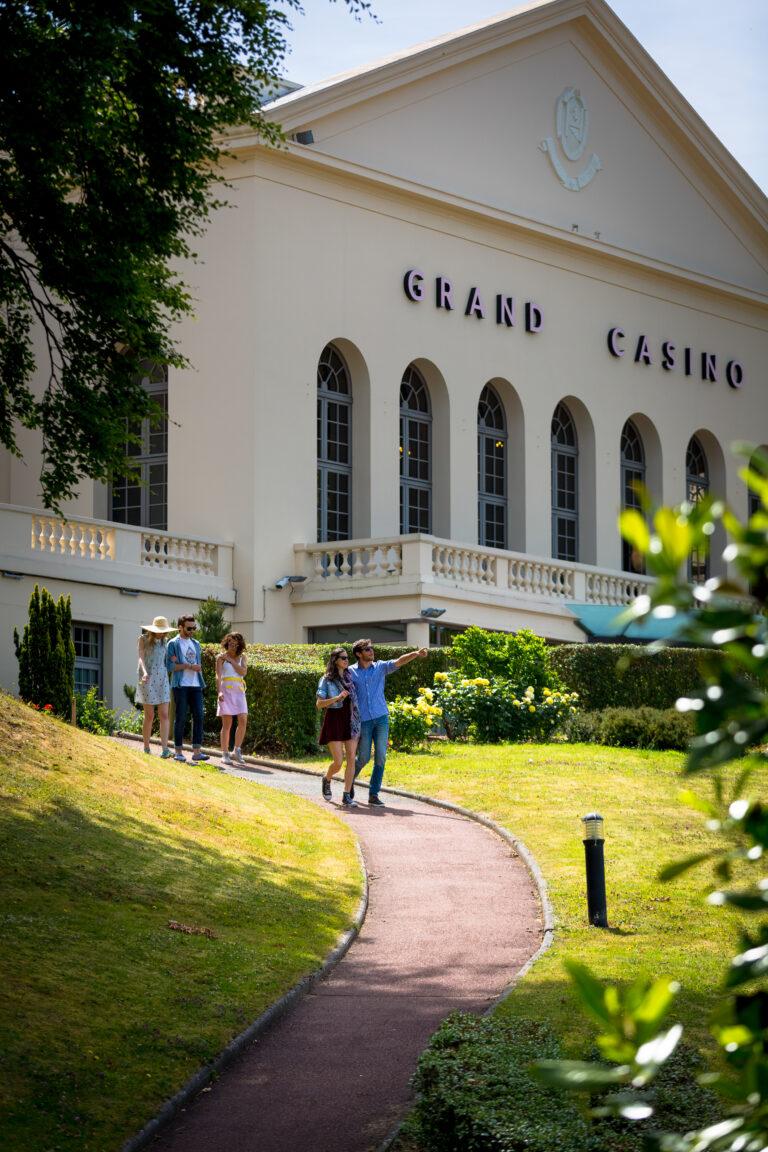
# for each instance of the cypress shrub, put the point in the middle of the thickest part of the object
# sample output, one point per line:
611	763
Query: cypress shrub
628	676
46	654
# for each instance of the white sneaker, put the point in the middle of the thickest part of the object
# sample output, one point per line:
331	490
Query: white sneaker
227	759
237	756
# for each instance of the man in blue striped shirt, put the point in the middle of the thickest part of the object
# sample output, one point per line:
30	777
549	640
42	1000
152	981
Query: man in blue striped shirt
368	675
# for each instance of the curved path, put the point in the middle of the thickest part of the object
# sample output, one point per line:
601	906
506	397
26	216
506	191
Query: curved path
452	917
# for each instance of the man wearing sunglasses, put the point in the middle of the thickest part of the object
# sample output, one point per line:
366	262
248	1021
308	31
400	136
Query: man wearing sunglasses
184	662
369	675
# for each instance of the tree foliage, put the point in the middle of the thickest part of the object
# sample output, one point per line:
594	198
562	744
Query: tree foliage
110	123
731	713
211	621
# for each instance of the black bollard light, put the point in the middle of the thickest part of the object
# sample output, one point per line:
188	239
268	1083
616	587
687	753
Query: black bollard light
593	850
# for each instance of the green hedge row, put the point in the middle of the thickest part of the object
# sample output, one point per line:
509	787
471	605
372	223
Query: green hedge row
626	676
476	1094
281	684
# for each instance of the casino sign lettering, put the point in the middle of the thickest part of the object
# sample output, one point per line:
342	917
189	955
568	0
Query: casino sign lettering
672	358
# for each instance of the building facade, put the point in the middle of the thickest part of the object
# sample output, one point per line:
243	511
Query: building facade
487	286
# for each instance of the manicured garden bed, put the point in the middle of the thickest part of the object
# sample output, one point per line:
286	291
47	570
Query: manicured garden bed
105	1010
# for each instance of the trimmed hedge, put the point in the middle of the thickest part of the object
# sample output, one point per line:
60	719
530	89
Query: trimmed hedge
476	1094
281	684
657	728
627	676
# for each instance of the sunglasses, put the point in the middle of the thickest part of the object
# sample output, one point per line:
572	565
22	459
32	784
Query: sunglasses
342	657
368	648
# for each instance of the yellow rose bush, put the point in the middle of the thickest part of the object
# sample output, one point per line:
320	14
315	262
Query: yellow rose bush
410	722
492	709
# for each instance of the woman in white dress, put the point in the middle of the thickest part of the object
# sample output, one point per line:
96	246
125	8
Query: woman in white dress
154	689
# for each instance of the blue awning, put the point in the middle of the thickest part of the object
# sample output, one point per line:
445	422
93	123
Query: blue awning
605	622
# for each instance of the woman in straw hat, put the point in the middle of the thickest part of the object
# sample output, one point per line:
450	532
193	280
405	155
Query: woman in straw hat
154	690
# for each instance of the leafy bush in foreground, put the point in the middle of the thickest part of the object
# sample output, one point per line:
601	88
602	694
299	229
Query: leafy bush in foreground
476	1094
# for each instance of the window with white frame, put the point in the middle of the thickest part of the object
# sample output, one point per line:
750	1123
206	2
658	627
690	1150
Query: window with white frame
696	488
334	447
632	475
89	657
415	453
143	498
491	470
565	486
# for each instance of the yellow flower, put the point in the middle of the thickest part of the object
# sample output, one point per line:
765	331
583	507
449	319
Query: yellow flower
482	682
441	677
547	691
531	708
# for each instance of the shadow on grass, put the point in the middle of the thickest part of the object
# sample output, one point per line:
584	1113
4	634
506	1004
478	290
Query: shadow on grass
105	1010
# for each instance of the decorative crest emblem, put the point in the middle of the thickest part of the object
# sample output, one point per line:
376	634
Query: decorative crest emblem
572	123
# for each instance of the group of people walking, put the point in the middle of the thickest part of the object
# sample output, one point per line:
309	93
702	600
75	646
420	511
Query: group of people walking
350	695
176	666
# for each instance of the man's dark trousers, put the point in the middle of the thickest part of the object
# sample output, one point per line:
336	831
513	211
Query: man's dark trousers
188	700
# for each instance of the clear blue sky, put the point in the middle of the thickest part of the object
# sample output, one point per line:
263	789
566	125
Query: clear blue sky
714	51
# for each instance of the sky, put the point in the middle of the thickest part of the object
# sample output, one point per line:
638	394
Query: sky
714	51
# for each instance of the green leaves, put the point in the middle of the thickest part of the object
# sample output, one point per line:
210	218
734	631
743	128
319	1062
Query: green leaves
110	122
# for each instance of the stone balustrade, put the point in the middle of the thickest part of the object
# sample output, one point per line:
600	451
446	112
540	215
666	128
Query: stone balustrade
136	559
398	560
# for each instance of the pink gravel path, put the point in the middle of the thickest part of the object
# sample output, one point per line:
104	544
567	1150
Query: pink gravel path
452	917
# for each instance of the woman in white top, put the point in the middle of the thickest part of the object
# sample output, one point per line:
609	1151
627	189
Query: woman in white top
231	666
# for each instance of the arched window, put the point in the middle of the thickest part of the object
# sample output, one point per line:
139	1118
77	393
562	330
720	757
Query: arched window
491	470
696	488
632	474
565	486
334	447
415	454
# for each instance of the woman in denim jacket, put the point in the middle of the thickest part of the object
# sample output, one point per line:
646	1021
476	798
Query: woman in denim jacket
337	700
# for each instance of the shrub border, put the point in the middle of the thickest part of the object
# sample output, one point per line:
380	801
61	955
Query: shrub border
276	1010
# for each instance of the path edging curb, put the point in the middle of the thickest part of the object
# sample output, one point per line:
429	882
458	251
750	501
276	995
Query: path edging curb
204	1075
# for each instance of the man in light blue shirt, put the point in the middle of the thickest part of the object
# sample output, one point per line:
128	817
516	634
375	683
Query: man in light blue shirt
368	675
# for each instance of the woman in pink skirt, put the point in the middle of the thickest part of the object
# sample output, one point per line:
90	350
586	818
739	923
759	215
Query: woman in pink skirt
231	666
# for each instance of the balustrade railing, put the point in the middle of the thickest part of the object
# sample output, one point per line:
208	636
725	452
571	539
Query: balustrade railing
335	561
72	538
356	562
177	554
613	588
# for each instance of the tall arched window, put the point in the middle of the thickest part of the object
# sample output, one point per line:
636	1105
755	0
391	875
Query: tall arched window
565	486
491	470
334	447
696	488
415	453
632	474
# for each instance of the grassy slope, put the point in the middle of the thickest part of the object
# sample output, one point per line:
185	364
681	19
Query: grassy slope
539	792
104	1011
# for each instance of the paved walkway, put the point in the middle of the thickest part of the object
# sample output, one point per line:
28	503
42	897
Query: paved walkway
452	917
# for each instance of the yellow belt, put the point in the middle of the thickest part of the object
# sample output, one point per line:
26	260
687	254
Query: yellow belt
233	680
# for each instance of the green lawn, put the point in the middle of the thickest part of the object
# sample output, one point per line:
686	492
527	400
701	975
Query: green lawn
104	1010
539	793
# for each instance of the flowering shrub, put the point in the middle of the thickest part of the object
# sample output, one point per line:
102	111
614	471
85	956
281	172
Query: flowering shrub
490	710
409	722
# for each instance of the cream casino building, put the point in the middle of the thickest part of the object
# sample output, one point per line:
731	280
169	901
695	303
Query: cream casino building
487	284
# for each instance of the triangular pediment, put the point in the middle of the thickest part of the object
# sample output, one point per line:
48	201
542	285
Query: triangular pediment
553	114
